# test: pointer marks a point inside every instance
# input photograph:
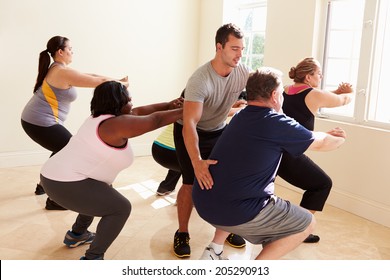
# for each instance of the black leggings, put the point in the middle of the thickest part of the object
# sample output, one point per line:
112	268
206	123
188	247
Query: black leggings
52	138
167	158
303	173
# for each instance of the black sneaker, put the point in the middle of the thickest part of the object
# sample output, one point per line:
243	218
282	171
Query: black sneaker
39	190
52	205
83	258
312	239
181	244
235	241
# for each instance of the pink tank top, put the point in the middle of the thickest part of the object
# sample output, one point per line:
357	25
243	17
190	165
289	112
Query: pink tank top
87	156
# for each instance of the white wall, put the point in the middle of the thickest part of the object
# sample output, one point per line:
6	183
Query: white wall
154	42
211	17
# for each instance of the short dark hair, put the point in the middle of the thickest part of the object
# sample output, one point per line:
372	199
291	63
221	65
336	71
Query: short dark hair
262	83
109	98
225	30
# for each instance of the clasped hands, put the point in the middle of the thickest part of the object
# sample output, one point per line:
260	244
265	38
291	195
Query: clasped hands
176	103
344	88
338	132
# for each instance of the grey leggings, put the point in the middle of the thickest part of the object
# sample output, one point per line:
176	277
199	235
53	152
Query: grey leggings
92	198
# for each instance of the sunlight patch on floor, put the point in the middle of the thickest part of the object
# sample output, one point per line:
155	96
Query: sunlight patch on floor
147	189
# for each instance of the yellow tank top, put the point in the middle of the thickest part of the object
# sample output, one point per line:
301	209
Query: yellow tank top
165	139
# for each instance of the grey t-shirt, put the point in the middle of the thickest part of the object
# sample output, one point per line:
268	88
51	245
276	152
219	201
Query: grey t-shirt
217	94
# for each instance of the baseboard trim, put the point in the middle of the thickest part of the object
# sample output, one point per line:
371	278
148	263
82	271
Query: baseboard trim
368	209
16	159
362	207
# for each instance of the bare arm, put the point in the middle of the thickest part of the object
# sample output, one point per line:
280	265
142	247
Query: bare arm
328	141
191	116
115	131
317	98
146	110
71	77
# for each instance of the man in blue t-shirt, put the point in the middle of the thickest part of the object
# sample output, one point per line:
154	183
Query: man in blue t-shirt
247	155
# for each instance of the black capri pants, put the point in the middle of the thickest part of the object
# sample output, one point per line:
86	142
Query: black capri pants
303	173
167	158
52	138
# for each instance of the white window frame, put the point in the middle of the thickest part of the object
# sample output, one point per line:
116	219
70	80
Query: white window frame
364	88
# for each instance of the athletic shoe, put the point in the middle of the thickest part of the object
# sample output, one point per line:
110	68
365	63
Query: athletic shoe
39	190
52	205
85	259
72	240
209	254
235	241
312	239
181	244
161	191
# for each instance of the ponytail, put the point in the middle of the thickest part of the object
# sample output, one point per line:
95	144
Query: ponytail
43	68
53	45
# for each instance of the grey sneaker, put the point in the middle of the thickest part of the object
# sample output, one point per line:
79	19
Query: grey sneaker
71	240
161	191
209	254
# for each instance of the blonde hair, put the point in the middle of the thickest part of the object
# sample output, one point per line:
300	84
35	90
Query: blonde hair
306	67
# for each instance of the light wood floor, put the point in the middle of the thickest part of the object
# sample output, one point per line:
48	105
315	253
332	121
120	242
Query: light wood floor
29	232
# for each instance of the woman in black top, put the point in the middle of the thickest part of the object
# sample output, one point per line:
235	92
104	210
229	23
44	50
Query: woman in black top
302	100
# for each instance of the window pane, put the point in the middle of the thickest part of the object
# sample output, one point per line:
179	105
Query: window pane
245	21
259	19
258	43
343	48
257	62
345	13
340	70
340	43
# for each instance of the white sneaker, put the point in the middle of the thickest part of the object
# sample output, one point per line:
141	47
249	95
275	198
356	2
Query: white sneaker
209	254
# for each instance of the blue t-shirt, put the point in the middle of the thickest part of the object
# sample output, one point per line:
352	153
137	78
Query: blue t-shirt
248	154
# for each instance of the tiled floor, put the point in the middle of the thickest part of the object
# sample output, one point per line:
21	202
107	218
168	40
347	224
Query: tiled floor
29	232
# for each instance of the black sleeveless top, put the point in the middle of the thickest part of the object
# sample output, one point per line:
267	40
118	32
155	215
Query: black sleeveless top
295	107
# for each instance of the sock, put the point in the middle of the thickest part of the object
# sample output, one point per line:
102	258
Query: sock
216	247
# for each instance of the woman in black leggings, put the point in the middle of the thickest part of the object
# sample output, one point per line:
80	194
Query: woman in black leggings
44	115
302	100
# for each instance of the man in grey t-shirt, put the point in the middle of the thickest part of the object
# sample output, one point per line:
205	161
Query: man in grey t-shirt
210	93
